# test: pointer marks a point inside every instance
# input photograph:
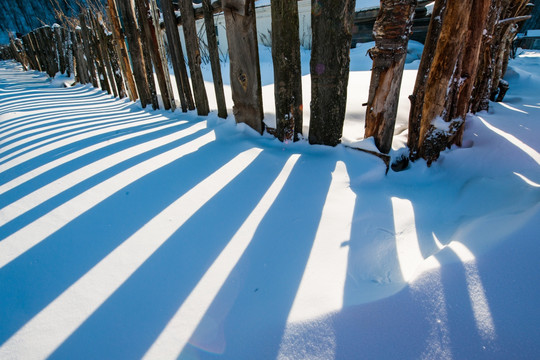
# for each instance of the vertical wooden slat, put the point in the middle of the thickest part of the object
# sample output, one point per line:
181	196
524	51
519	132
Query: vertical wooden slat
87	50
244	63
146	51
116	69
96	51
287	69
213	53
68	50
331	24
194	57
57	31
149	39
154	12
35	47
135	49
177	56
104	53
120	46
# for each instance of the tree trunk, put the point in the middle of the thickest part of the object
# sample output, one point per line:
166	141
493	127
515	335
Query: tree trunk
194	57
213	53
177	56
287	69
331	25
244	62
417	97
135	50
392	31
120	46
434	136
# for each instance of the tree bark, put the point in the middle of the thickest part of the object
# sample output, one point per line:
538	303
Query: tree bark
245	68
177	56
120	46
135	50
392	31
417	97
287	69
214	58
194	57
433	137
331	24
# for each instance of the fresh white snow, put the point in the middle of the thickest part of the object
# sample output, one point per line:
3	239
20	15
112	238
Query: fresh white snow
131	233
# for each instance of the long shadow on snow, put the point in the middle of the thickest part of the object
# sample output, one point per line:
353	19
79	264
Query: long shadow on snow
247	319
52	203
81	161
130	321
42	273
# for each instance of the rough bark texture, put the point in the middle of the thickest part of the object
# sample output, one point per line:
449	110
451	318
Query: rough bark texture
104	53
392	31
146	51
245	68
417	97
213	52
154	14
135	50
434	139
121	50
470	62
194	57
177	56
287	69
331	24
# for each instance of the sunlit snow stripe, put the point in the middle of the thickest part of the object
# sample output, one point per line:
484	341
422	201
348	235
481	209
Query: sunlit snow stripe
518	143
87	150
44	333
323	282
509	107
408	250
58	121
51	135
527	180
183	324
54	188
51	144
322	286
477	294
32	234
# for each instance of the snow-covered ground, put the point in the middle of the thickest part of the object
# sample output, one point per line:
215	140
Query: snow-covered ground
129	233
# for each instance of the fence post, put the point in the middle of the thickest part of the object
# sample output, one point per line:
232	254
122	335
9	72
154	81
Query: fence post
59	47
87	50
121	51
331	24
177	56
104	54
135	50
287	69
154	12
213	53
244	62
194	57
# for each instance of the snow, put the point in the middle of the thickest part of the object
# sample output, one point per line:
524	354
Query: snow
131	233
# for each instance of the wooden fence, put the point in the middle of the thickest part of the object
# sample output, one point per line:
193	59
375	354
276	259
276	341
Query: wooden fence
124	52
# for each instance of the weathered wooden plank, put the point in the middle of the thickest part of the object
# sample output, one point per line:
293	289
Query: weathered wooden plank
96	51
287	69
104	54
121	50
331	24
135	49
116	69
81	71
159	38
194	57
392	31
57	31
68	50
177	56
245	68
34	39
213	53
87	48
142	19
